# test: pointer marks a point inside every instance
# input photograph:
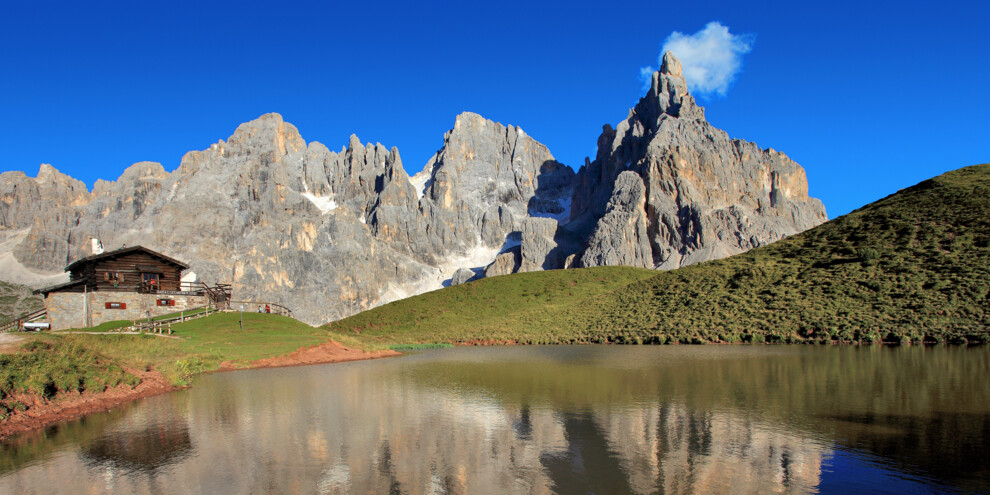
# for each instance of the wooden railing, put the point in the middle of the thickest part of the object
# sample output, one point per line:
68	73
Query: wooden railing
219	294
261	307
164	325
196	287
14	324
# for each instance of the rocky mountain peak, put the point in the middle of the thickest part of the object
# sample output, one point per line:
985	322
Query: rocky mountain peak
51	177
489	164
354	142
46	173
671	66
144	170
52	183
669	94
466	118
138	175
700	194
266	132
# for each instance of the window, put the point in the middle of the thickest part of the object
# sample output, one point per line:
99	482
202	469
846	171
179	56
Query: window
149	281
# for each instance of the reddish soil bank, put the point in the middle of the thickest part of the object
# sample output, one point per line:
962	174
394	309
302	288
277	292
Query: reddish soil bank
42	413
487	342
327	352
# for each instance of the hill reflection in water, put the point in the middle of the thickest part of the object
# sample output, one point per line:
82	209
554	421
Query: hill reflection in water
707	419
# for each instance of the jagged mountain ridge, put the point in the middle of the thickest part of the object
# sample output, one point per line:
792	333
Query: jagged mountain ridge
327	233
668	189
333	233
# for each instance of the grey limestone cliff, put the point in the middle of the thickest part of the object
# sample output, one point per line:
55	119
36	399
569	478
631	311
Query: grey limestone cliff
703	195
325	233
330	233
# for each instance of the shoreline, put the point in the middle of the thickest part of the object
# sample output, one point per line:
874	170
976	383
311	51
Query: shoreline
68	407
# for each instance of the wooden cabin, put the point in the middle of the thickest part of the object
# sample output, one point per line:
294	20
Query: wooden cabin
129	269
130	283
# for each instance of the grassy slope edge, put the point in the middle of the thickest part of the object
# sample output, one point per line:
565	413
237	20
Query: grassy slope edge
912	266
50	366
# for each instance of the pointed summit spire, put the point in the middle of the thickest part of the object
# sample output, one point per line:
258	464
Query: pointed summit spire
671	66
669	92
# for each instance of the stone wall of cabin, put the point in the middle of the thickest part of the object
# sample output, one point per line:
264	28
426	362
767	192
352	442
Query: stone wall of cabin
138	305
68	310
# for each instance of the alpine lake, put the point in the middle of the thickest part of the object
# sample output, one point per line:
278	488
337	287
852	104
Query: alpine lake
553	419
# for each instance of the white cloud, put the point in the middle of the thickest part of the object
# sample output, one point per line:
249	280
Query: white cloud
711	58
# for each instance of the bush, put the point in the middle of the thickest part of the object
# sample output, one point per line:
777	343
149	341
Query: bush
868	256
868	337
185	369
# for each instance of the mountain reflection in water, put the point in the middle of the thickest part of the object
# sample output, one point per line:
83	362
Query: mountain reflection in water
586	419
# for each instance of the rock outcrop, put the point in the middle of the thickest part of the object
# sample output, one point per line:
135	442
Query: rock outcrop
42	210
463	275
621	236
488	178
330	233
703	195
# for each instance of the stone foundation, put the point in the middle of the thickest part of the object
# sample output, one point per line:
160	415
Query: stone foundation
66	310
74	310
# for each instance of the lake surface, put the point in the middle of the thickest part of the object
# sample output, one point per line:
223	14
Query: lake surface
564	419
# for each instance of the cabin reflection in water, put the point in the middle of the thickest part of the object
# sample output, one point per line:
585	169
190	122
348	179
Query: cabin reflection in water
144	450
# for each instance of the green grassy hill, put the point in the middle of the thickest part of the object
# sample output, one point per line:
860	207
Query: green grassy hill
536	307
16	300
914	265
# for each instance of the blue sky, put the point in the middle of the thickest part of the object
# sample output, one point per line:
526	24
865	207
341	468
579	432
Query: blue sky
869	97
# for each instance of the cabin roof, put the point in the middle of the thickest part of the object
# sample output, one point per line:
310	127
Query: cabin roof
123	251
46	290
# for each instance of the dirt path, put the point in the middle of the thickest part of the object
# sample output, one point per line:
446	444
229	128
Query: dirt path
10	342
152	334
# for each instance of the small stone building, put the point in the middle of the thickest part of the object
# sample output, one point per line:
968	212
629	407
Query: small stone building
131	283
